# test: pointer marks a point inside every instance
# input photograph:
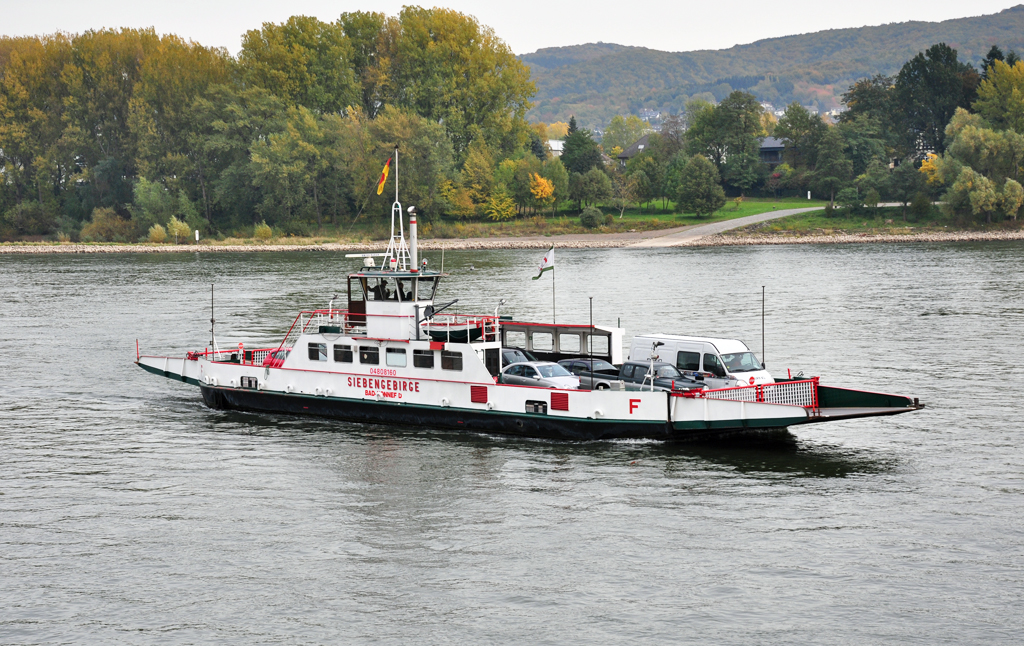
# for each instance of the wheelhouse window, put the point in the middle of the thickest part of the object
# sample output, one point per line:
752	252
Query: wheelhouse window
318	352
688	360
369	354
427	288
423	358
343	353
451	360
395	357
598	344
515	339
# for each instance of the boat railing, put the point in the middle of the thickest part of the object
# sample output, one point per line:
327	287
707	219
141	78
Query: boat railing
461	328
793	393
446	327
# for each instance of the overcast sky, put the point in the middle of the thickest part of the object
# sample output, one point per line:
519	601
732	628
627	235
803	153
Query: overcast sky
526	25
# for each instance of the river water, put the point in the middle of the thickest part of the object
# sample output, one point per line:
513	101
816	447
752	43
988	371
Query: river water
130	513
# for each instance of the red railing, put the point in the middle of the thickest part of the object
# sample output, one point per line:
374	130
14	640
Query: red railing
793	393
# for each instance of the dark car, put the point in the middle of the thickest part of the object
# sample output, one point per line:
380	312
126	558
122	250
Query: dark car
665	376
595	374
515	355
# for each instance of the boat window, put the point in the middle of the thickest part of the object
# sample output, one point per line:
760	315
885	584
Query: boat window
318	352
568	342
543	341
395	357
427	288
405	289
382	289
515	339
451	360
343	353
423	358
369	354
356	289
713	365
598	344
688	360
552	370
741	362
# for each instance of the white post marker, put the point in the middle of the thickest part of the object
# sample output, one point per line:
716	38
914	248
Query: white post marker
808	195
197	235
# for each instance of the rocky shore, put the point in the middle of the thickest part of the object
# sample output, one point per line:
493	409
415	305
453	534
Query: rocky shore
588	242
839	238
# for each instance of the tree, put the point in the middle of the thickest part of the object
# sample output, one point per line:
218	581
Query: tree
543	190
580	152
833	170
907	182
445	67
624	192
928	90
699	190
1001	96
994	54
623	132
590	187
554	171
730	134
500	207
478	171
304	61
800	132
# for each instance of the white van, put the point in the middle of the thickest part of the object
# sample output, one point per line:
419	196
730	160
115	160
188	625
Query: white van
724	363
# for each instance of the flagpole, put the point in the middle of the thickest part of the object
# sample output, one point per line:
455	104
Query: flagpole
553	317
396	174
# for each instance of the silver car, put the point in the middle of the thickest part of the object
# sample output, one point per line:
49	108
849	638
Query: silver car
544	374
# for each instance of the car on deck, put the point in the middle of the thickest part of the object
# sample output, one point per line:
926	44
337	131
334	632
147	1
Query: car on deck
542	374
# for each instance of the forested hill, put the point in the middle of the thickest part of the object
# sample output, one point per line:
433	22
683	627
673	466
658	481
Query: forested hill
599	80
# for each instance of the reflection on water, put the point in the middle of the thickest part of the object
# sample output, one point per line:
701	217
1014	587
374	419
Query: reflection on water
130	512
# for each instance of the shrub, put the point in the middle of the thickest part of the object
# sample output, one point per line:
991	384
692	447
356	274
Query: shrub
179	230
920	208
591	217
107	226
849	199
262	232
31	218
157	233
829	211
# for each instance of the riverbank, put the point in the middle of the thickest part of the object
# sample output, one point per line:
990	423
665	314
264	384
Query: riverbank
589	241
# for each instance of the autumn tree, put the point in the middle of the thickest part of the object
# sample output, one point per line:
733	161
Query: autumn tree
305	61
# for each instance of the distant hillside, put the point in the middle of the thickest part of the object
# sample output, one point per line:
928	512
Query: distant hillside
599	80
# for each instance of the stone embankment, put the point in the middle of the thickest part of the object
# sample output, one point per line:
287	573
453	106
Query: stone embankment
589	242
842	238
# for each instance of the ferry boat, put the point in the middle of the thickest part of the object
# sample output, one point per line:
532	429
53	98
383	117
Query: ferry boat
391	355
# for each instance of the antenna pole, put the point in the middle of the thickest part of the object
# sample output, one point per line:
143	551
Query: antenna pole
553	317
396	174
213	338
762	326
590	337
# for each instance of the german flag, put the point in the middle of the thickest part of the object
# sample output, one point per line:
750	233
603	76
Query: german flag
384	176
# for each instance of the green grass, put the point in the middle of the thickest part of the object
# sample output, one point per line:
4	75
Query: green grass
882	221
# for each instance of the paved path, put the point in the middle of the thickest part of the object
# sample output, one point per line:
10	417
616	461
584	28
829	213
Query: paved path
693	233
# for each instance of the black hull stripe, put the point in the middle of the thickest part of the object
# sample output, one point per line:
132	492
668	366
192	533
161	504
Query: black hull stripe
482	421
